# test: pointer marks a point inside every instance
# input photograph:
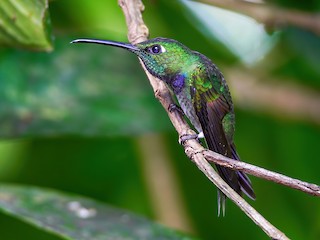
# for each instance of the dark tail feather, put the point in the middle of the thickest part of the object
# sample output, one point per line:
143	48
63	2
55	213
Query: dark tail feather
231	178
245	185
221	203
244	181
238	180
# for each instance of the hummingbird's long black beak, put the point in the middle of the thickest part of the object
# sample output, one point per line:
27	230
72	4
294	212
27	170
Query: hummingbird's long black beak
127	46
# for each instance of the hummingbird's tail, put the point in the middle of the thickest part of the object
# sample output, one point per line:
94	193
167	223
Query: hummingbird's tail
238	180
244	181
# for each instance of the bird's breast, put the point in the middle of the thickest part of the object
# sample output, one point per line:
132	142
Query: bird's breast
185	102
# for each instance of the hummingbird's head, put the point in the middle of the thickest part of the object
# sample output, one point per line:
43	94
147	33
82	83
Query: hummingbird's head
164	58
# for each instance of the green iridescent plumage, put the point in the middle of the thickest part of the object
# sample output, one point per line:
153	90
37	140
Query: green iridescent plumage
202	94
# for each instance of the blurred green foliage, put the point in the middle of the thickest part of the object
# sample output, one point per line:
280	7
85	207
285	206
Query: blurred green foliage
57	95
70	120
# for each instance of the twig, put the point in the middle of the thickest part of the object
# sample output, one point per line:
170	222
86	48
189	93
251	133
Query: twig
271	16
309	188
139	32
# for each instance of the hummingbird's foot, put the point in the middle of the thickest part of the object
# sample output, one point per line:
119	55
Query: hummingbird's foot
174	107
186	137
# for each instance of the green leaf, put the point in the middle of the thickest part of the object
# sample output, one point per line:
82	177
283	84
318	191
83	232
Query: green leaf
75	217
25	24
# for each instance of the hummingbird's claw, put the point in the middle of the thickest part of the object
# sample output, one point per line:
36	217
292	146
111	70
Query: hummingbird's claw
174	107
186	137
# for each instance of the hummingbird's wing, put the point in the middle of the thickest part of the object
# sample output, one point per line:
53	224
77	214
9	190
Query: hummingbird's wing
211	110
214	110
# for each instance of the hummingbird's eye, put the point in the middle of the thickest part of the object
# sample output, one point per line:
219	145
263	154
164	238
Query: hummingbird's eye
156	49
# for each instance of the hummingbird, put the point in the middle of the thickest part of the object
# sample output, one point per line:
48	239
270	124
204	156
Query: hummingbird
203	96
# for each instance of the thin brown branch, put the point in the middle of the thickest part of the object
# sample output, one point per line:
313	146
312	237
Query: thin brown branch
270	15
306	187
138	32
